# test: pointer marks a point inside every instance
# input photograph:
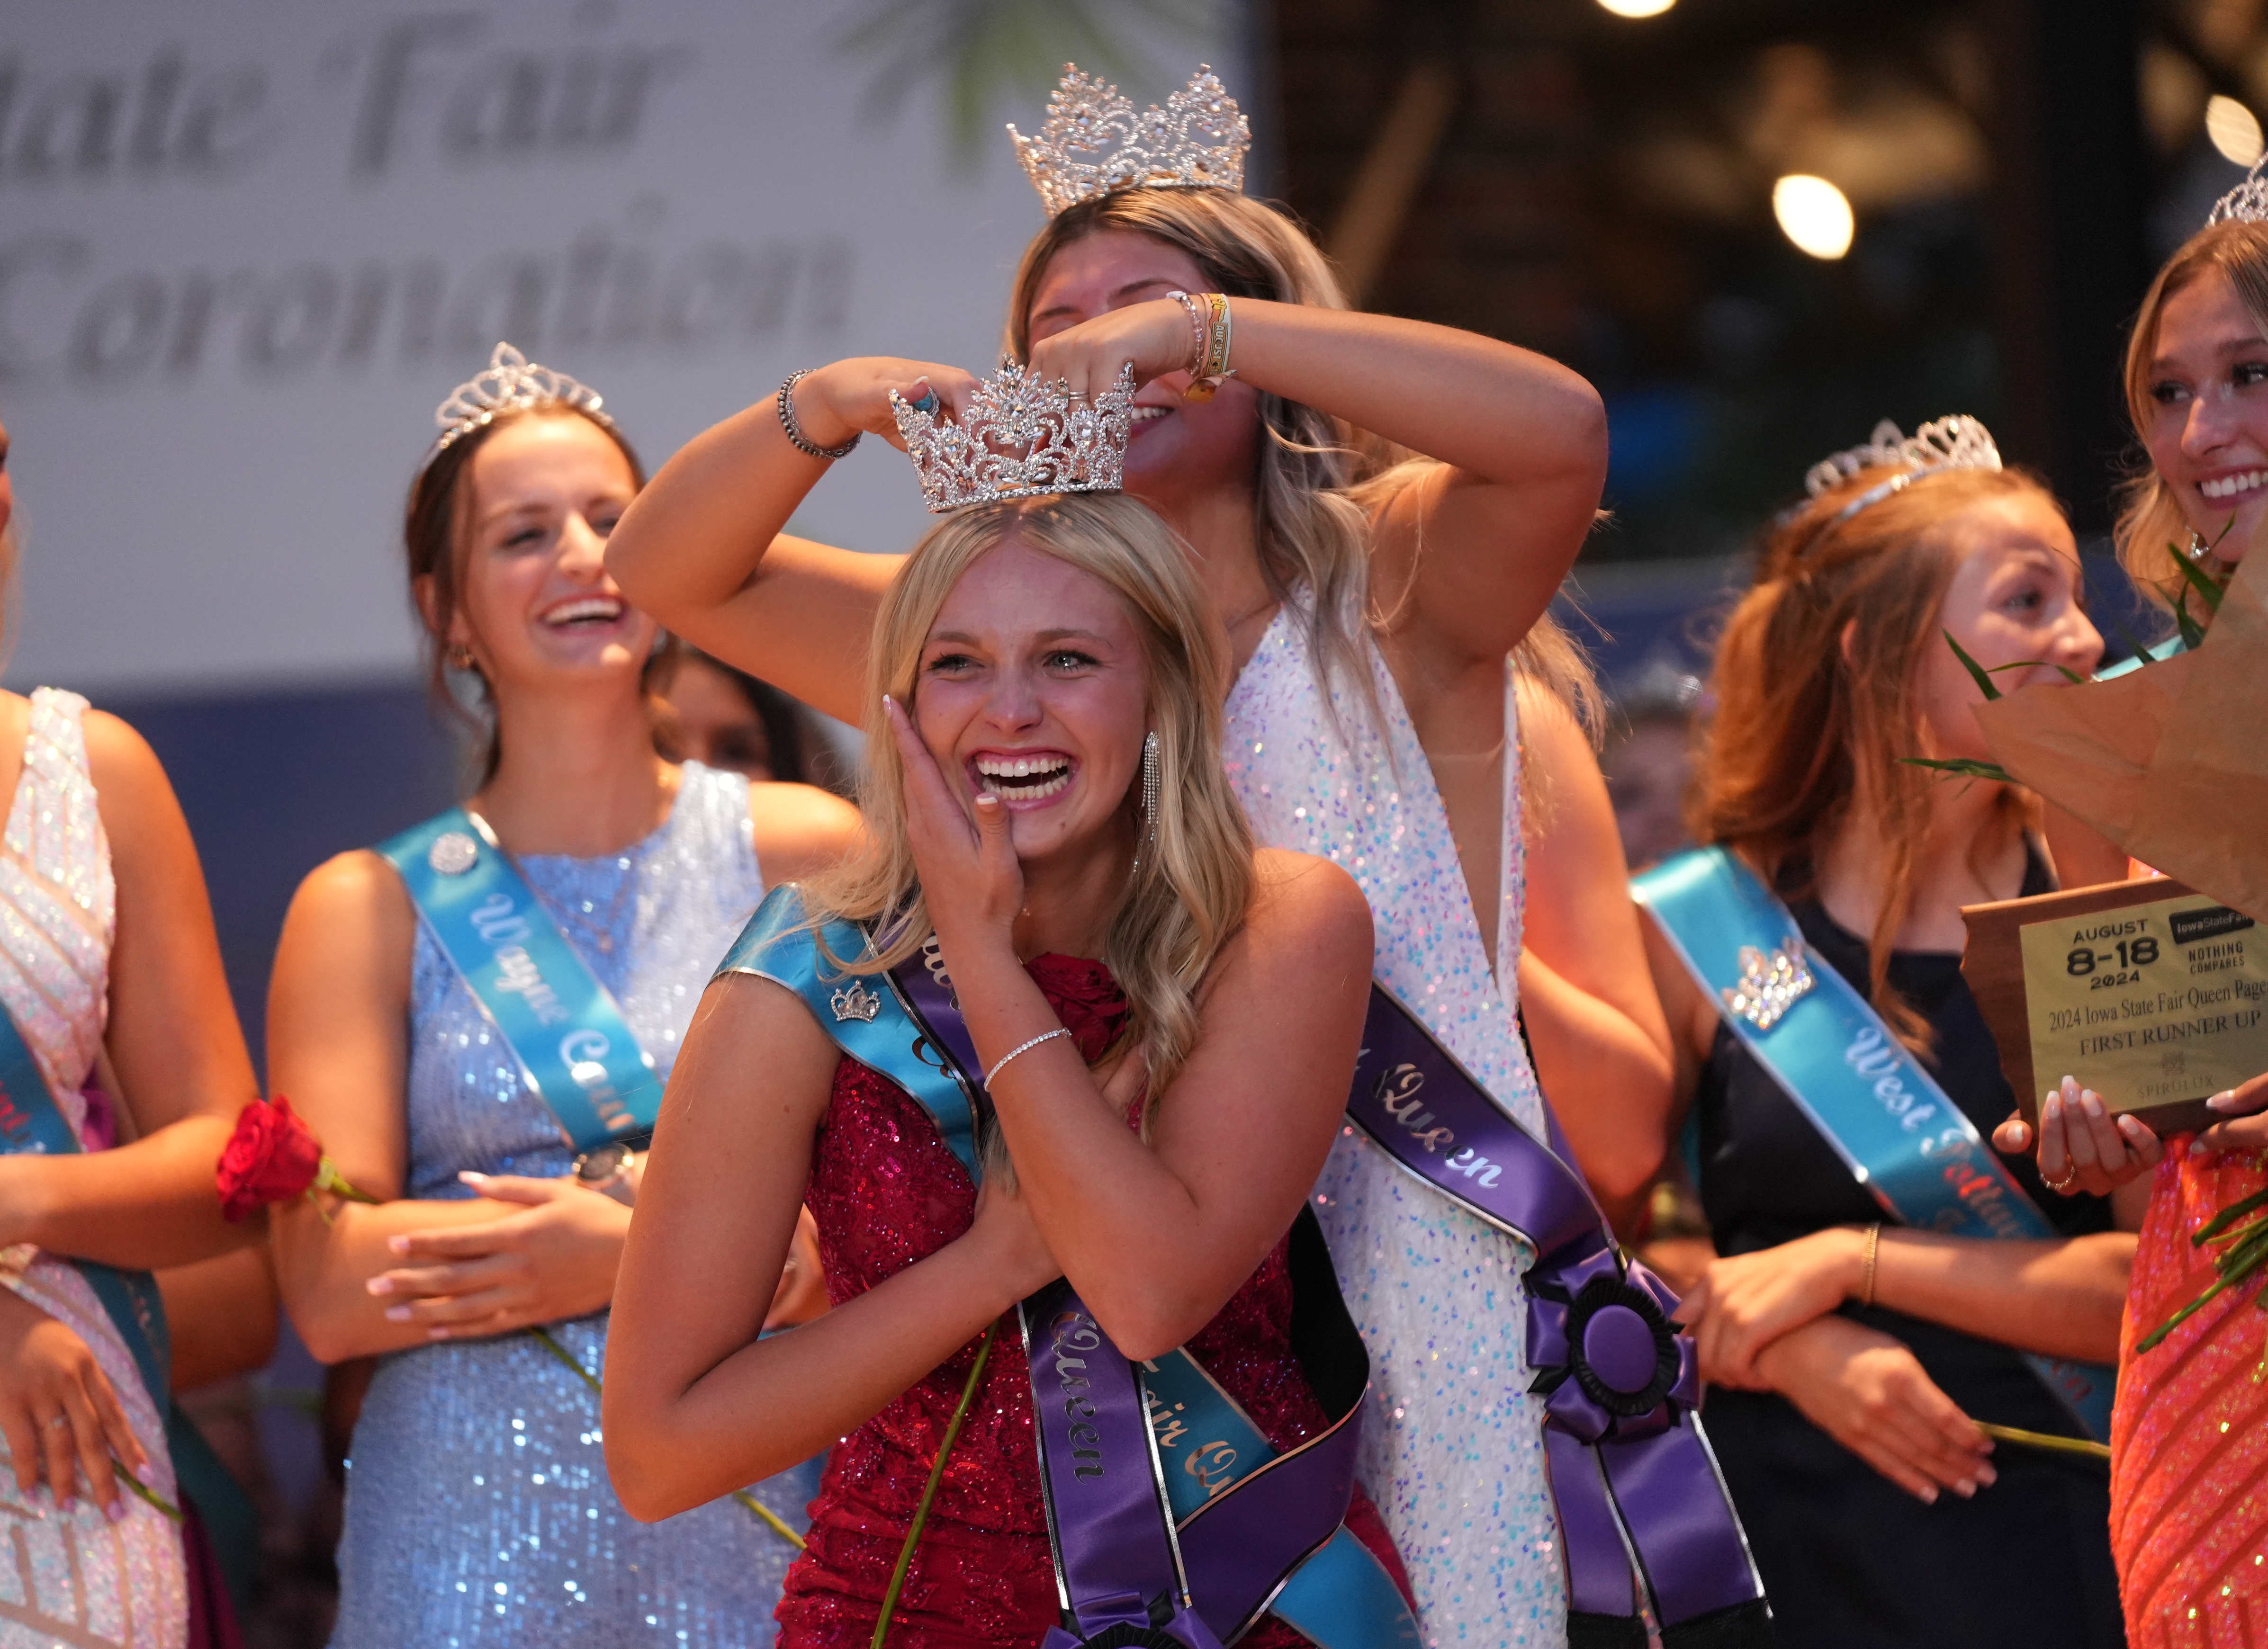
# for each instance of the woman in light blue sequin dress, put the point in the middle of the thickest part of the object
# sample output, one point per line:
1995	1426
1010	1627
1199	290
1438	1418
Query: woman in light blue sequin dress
478	1507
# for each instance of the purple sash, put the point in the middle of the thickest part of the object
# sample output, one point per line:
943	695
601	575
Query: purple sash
1119	1573
1642	1506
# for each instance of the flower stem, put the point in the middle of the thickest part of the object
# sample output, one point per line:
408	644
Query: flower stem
141	1491
764	1513
929	1494
2044	1440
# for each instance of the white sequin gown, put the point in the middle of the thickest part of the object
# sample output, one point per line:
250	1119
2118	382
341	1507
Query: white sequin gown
1453	1449
73	1579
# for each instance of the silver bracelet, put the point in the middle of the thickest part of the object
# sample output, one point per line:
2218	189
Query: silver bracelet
803	443
1022	1047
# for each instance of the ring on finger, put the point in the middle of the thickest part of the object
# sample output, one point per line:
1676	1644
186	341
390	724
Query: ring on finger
58	1419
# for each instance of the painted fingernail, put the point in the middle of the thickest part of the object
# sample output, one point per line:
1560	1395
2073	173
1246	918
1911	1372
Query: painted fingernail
435	1334
472	1176
379	1284
398	1244
2223	1099
2090	1103
146	1475
1929	1495
397	1314
1986	1477
116	1510
1965	1489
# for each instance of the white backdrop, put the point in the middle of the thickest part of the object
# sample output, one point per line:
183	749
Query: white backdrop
246	245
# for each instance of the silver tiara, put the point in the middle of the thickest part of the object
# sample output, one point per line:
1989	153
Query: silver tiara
1959	442
512	383
1093	141
2246	204
1020	437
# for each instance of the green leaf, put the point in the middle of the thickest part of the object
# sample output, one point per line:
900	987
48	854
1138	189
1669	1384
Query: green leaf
1978	672
2198	579
1964	767
2065	670
2193	632
2141	651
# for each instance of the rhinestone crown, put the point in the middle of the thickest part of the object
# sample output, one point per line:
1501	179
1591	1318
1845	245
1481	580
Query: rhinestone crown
1958	442
1020	437
1771	983
2246	204
1094	141
511	384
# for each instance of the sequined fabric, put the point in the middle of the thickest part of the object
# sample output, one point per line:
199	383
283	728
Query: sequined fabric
478	1507
76	1578
2188	1436
886	1192
1453	1449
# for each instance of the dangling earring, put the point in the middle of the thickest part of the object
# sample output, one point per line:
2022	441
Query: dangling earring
461	657
2198	548
1149	798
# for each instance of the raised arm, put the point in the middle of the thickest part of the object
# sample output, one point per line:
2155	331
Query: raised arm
338	1012
1470	558
695	1405
173	1042
1601	1044
702	547
1156	1236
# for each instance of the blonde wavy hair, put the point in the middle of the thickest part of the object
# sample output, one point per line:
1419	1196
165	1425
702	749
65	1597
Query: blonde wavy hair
1322	482
1190	895
2152	526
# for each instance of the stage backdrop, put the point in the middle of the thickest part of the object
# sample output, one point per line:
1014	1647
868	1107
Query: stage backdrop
246	245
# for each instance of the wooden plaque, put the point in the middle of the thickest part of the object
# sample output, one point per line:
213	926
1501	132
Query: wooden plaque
2146	992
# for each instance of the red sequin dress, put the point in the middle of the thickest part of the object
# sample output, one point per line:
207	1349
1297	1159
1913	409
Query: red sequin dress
2188	1436
887	1192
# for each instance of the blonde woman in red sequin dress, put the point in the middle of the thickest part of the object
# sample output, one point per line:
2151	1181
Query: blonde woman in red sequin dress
1213	998
2189	1442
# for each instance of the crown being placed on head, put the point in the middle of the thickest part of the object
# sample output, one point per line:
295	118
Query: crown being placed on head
1094	142
1020	437
1958	442
513	383
2246	204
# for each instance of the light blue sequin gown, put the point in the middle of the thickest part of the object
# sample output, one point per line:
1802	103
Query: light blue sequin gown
478	1508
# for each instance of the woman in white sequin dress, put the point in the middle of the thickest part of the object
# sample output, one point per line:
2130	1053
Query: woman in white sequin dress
111	970
1374	722
478	1508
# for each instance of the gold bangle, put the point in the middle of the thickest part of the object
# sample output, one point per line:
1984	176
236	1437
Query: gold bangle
1867	1277
1214	332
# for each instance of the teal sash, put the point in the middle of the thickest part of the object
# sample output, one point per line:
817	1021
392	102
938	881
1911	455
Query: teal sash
1208	1447
576	1051
32	1124
1899	1133
1341	1597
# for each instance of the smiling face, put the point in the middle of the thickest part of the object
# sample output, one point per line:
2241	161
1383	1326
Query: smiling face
535	606
1033	685
1177	446
2013	599
2208	427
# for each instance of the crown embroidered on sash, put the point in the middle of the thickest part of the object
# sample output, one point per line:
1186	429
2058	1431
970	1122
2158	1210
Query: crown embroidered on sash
1020	437
855	1002
1094	142
1771	983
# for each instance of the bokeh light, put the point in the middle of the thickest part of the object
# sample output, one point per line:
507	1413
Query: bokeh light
2233	129
1813	214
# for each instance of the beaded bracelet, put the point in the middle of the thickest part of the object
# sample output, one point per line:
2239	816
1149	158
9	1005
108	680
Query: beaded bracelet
1209	365
802	442
1022	1047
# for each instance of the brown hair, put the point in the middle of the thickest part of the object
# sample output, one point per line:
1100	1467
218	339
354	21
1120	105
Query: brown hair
1322	481
433	533
1814	687
2152	526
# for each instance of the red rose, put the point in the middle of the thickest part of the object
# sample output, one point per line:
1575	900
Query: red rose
1085	997
271	1157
